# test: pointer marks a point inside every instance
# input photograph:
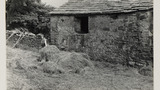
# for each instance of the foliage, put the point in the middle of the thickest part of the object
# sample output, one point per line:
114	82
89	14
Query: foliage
20	7
30	14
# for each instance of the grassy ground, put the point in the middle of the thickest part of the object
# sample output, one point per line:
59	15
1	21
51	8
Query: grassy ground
23	73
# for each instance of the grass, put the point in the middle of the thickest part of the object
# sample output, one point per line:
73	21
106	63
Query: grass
24	73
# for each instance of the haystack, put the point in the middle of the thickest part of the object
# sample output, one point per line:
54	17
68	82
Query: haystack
75	62
47	52
66	62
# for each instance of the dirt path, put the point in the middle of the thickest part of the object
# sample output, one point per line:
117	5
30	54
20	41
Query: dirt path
22	74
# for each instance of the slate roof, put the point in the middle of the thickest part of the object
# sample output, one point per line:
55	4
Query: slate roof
102	6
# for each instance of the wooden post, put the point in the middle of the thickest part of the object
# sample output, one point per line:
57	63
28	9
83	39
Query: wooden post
20	38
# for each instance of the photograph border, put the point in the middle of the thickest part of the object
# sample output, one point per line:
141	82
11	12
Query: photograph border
156	45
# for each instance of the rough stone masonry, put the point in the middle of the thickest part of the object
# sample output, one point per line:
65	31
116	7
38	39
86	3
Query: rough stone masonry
114	38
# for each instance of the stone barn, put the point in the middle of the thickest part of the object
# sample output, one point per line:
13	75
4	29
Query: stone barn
114	31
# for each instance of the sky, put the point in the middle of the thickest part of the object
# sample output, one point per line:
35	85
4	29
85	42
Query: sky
54	3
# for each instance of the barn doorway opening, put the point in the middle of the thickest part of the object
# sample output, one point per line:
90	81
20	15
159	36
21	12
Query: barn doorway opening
83	24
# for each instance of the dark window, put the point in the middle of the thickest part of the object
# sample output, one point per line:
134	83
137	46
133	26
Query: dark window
83	21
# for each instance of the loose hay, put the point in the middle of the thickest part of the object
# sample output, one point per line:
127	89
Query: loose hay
146	71
37	75
50	48
63	62
47	52
75	63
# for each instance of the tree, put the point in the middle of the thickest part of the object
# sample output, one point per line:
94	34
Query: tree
29	14
20	7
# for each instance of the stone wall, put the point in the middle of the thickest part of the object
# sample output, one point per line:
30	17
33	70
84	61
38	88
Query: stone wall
104	35
61	28
121	37
26	42
114	38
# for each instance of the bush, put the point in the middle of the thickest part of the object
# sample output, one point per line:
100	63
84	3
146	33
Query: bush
35	25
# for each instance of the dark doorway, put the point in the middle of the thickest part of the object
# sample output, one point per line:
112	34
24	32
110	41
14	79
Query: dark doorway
83	21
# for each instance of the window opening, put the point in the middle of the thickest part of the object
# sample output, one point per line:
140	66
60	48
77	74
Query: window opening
83	21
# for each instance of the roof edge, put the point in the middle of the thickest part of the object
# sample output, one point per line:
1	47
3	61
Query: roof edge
100	13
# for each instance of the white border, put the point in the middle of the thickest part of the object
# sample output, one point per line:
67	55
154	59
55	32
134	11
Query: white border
2	47
156	45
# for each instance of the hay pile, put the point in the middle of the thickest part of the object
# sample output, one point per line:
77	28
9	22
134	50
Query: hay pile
55	61
47	52
146	71
24	72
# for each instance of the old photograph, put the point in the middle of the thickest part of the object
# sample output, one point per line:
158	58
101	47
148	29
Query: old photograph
79	44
